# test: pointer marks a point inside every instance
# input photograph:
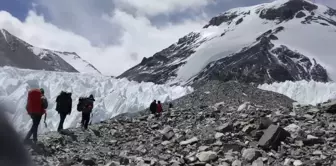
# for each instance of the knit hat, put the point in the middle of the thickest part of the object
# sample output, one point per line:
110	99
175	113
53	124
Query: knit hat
42	90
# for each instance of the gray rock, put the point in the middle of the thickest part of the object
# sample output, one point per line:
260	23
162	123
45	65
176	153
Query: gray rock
236	163
272	137
189	141
251	154
258	163
224	164
124	161
207	156
90	162
329	107
297	163
112	163
249	128
219	135
168	136
203	148
264	123
226	127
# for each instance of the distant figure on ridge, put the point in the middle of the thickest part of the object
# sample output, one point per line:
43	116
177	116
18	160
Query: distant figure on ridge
36	106
63	107
159	109
152	107
85	105
170	105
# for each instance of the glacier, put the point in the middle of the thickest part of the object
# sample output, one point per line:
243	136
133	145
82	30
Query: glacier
113	96
304	92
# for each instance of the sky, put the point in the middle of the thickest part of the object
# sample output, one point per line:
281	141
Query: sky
113	35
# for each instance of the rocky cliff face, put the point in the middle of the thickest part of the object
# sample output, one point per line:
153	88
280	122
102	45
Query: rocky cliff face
264	51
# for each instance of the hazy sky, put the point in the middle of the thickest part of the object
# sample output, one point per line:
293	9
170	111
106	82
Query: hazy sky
112	34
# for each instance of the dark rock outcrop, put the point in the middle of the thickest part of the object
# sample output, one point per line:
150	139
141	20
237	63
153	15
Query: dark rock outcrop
287	11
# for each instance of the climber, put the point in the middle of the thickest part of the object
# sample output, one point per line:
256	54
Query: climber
159	109
63	107
170	105
153	107
36	106
85	105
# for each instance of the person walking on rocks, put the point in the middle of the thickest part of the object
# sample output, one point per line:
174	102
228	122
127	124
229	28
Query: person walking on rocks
86	107
159	108
36	107
170	105
63	107
153	107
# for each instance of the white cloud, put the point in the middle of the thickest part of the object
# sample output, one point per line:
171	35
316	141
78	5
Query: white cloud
155	7
139	38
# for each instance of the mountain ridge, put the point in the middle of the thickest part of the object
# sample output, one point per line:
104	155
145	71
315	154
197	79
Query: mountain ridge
275	26
55	60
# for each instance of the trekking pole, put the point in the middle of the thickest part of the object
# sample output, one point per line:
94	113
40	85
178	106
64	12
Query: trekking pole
91	119
45	121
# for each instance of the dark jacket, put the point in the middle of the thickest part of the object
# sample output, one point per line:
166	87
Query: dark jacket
88	105
153	107
64	103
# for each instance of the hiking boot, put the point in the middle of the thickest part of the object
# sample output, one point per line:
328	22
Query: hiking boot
35	141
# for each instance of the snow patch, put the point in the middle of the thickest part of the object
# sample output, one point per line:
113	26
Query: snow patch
4	34
113	96
78	63
304	92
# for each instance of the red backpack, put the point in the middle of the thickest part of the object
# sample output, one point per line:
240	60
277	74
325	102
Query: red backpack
34	102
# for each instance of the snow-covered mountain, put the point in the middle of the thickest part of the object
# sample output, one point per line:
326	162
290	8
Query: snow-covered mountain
277	41
57	59
113	96
24	55
14	53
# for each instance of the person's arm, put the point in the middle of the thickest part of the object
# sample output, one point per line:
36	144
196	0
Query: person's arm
57	99
70	106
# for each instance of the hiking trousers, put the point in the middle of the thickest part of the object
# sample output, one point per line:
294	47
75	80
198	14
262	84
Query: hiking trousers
33	130
62	118
85	119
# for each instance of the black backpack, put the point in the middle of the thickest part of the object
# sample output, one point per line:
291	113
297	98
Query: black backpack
81	104
63	101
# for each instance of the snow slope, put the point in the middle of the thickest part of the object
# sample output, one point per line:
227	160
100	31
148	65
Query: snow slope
304	92
113	96
276	41
72	58
303	39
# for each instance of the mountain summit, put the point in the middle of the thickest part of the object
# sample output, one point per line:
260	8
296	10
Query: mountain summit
277	41
18	53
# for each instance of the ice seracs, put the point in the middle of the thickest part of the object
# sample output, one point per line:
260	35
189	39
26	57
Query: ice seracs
304	92
113	96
